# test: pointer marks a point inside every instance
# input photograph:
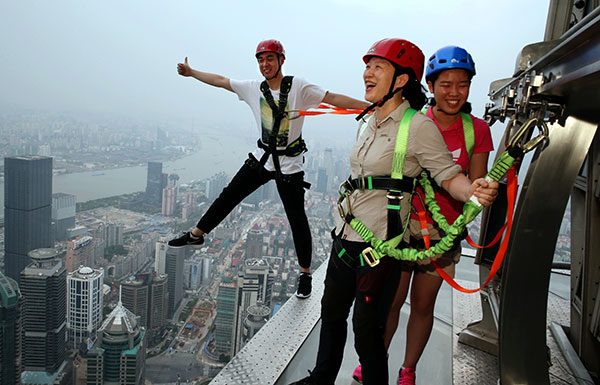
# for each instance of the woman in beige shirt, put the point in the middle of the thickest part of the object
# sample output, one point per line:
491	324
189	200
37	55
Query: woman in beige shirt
394	68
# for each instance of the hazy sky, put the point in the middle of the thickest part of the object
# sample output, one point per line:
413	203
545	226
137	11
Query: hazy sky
119	57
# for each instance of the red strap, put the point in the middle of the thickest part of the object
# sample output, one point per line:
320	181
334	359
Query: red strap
492	243
333	110
511	192
424	228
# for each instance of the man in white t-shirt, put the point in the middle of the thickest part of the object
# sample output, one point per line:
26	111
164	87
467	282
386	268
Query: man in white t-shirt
280	148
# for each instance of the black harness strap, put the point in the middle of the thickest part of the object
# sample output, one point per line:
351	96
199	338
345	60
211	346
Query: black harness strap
381	183
278	110
394	188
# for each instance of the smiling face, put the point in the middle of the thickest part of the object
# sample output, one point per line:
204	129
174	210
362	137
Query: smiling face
268	64
378	76
451	90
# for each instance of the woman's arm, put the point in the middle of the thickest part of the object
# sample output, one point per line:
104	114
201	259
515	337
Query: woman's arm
461	189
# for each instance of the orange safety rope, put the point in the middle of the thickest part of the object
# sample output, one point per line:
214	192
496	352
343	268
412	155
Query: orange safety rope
511	193
331	110
492	243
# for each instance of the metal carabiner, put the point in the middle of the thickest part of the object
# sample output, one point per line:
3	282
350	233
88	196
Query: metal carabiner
340	207
533	142
345	190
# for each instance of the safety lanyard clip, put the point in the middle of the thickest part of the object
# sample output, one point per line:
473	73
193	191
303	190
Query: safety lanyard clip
533	142
343	212
345	190
371	256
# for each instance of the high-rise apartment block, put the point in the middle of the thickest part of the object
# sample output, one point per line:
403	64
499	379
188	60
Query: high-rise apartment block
134	296
10	332
80	252
254	243
63	214
43	290
174	270
84	305
154	184
160	257
146	295
113	234
27	210
227	300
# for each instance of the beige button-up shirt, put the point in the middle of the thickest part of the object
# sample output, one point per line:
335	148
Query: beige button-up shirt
372	155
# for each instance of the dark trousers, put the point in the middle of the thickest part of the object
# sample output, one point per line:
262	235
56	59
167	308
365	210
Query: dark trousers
372	291
247	180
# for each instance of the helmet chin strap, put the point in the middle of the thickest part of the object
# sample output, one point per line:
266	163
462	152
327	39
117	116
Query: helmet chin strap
380	103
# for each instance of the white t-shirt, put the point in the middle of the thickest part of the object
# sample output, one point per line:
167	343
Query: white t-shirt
303	95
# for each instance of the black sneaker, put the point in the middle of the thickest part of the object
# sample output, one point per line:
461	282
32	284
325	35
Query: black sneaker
304	285
186	240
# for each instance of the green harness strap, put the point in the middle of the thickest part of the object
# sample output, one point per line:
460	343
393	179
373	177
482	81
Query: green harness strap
397	173
468	132
471	209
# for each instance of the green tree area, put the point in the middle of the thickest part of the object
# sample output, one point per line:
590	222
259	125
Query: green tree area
96	203
111	251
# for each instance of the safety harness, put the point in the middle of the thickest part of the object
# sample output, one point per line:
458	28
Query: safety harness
395	184
295	148
380	248
469	138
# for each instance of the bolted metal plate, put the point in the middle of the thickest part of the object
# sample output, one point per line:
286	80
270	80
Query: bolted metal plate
470	366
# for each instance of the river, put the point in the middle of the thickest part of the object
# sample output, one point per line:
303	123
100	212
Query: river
218	154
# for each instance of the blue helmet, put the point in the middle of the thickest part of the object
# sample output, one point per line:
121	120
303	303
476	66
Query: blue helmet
448	58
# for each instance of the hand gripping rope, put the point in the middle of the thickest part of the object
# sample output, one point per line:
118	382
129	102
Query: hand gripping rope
472	208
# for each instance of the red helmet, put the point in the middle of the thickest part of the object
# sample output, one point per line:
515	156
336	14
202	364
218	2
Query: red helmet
270	45
400	52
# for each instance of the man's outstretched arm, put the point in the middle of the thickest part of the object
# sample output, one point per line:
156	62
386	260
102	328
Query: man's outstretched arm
215	80
344	101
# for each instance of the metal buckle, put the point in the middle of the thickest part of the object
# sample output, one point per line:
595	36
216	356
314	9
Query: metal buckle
345	188
393	194
370	256
361	182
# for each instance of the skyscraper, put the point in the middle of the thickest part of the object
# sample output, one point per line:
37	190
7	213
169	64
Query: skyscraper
254	287
134	295
226	311
113	234
80	252
84	305
154	184
322	180
254	243
43	289
63	214
157	312
119	355
160	257
174	270
10	339
169	194
27	209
